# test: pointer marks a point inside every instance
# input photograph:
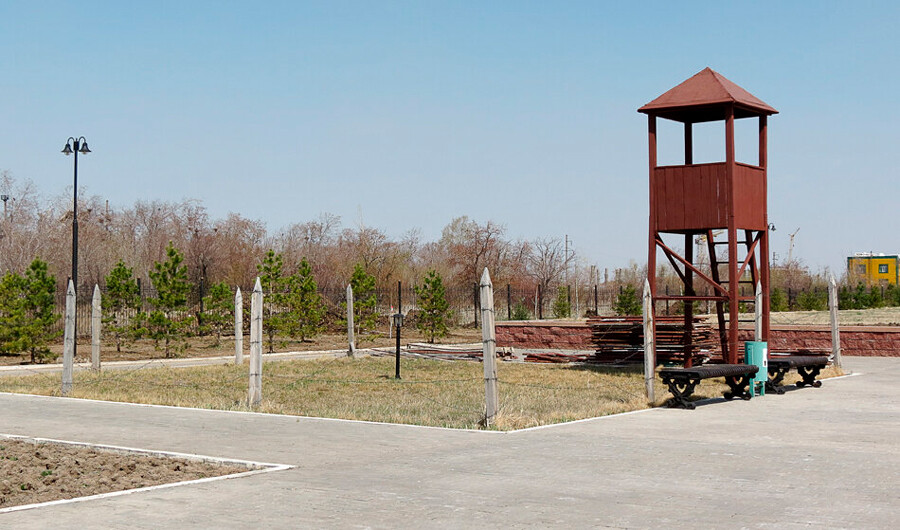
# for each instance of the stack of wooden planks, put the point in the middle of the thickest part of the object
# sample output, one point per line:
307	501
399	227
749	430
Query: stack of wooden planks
620	340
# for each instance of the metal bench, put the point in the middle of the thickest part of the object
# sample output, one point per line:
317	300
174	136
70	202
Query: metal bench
808	366
683	381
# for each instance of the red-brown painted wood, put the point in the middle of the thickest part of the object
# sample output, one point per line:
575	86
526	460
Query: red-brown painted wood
693	199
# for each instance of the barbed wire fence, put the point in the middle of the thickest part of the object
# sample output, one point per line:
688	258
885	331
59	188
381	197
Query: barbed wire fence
513	303
441	398
448	397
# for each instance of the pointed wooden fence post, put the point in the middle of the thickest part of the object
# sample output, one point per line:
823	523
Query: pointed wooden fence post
649	346
69	341
96	322
489	353
758	313
350	335
238	327
256	302
835	330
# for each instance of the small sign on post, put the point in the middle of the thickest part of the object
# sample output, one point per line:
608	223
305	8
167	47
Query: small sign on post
256	301
489	349
96	322
238	327
835	329
350	335
649	347
69	341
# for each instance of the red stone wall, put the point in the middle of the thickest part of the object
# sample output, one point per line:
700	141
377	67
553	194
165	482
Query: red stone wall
865	341
544	334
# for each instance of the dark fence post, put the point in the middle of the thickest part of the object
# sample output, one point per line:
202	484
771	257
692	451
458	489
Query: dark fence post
200	312
475	301
540	302
508	303
596	307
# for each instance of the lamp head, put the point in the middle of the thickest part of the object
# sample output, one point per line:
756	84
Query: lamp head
84	148
67	150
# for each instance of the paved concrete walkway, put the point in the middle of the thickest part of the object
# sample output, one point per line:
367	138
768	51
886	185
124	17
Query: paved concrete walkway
824	458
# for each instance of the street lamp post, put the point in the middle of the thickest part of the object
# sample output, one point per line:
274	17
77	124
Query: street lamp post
75	146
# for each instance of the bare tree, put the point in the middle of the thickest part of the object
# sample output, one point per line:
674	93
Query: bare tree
472	246
547	261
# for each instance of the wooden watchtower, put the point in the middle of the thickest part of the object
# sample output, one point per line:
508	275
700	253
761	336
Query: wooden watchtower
723	198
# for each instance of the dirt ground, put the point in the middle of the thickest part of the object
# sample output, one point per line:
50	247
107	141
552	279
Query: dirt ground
40	472
145	349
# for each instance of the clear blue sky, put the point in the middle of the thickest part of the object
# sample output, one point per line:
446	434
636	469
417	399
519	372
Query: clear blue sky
412	113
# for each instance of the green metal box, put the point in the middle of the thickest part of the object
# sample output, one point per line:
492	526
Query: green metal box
757	353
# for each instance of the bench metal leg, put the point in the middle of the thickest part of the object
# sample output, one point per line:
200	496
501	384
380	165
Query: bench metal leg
681	388
740	388
809	374
776	378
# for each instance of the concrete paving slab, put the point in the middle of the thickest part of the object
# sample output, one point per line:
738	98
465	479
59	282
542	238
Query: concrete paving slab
824	457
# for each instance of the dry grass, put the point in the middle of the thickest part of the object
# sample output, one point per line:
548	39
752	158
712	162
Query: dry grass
435	393
884	316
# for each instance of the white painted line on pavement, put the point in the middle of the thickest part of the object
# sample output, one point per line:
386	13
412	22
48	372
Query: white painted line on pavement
262	467
366	422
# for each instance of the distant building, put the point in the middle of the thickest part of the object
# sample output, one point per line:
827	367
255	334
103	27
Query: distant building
873	269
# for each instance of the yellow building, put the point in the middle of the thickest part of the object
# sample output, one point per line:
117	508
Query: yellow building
873	269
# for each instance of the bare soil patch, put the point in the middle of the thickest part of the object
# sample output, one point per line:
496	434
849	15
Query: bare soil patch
36	471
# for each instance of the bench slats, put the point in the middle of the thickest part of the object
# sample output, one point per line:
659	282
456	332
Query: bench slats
714	370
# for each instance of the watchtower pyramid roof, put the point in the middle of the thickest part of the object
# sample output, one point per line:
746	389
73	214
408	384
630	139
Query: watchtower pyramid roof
704	97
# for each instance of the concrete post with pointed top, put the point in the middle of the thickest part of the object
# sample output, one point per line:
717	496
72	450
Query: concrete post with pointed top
489	353
649	347
835	329
69	341
758	313
238	327
96	322
256	302
351	338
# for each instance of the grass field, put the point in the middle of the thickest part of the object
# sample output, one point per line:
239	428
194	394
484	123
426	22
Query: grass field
435	393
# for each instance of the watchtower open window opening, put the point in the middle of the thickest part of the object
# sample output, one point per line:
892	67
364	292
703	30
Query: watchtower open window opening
708	142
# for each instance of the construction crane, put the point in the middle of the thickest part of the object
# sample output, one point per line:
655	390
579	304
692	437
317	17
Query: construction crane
791	247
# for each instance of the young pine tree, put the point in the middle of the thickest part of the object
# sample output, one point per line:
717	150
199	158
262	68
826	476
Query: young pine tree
11	312
561	306
628	303
520	311
26	312
435	310
304	309
122	300
274	283
170	280
218	305
778	300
